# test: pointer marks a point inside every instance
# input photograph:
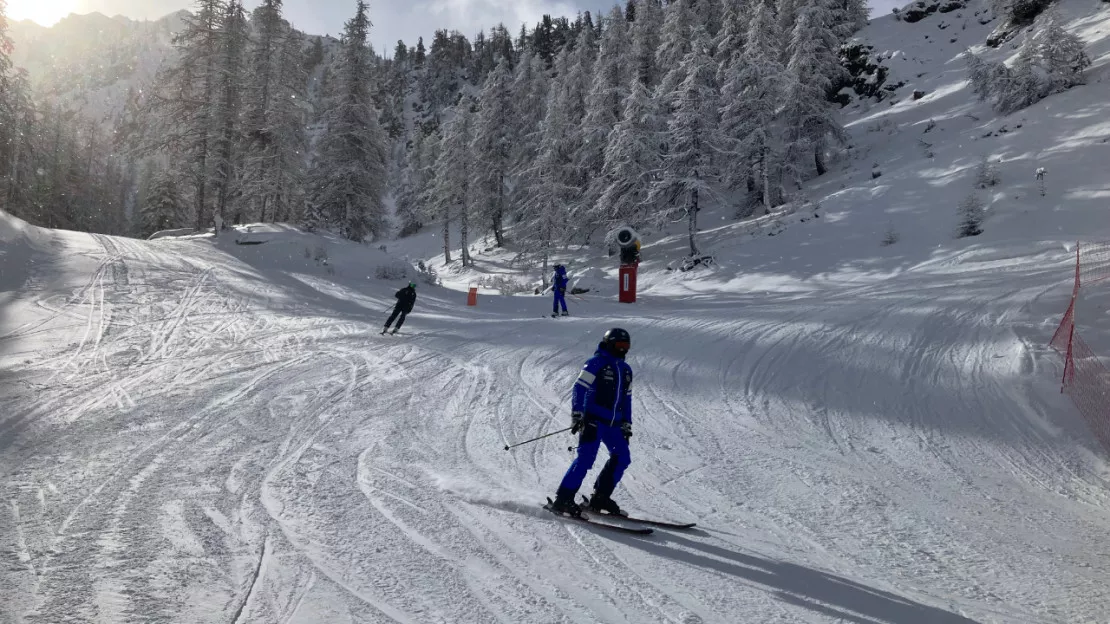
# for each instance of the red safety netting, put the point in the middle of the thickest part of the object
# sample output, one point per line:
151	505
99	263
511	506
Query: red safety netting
1086	378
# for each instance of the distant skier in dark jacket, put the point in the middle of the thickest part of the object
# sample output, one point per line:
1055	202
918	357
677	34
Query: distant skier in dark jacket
559	283
406	298
601	409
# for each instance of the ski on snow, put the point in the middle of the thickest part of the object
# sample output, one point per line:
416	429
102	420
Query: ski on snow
657	523
586	520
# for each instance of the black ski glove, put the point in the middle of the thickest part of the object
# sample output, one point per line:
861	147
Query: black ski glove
626	430
577	422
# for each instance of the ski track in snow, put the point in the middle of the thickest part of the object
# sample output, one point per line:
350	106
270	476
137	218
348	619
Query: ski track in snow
202	452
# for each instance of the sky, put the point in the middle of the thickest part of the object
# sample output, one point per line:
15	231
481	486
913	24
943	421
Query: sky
393	19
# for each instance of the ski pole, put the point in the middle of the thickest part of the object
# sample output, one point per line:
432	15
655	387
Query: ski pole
546	435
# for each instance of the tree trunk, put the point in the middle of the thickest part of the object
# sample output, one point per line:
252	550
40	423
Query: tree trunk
765	172
464	232
819	160
692	209
499	212
446	239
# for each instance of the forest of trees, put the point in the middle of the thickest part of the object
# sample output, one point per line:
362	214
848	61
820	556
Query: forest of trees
643	116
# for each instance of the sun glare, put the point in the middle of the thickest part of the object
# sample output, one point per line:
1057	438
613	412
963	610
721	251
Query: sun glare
44	12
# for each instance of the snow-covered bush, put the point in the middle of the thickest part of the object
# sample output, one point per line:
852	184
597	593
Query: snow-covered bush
505	284
1049	61
393	271
890	237
427	274
317	253
986	175
972	213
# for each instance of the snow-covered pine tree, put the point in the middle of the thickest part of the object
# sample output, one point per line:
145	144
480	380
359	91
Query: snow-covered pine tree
813	67
972	213
604	102
631	161
986	175
228	107
1025	83
453	172
9	110
530	94
1062	54
273	132
787	11
750	98
492	148
161	204
549	188
575	71
17	116
184	102
19	141
692	136
646	32
409	211
729	44
348	174
674	47
851	16
710	14
980	75
289	144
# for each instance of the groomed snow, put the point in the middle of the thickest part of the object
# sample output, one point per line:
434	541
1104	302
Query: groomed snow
198	431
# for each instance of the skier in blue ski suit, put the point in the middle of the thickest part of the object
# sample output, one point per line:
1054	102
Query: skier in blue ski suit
559	287
601	408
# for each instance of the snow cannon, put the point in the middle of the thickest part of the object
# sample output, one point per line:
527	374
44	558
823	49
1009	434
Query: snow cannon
629	242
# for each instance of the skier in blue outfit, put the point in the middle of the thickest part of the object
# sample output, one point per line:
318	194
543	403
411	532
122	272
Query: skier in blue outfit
601	408
559	287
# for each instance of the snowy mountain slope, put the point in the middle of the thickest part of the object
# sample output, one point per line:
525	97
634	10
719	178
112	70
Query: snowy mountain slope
90	62
200	431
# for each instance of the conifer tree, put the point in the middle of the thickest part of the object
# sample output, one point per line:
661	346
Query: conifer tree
631	161
691	137
812	68
750	96
605	100
273	133
453	173
227	107
185	103
492	148
645	34
1062	54
161	205
348	174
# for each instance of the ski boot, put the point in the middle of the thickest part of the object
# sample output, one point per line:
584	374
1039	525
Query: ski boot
384	330
565	313
605	506
564	504
600	502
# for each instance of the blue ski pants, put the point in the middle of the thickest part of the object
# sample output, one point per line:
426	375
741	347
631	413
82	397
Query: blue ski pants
619	458
560	298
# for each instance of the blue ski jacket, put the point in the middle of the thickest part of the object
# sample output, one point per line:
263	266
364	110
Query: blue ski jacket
560	281
603	390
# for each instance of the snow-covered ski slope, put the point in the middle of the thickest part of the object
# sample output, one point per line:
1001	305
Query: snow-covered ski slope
196	431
